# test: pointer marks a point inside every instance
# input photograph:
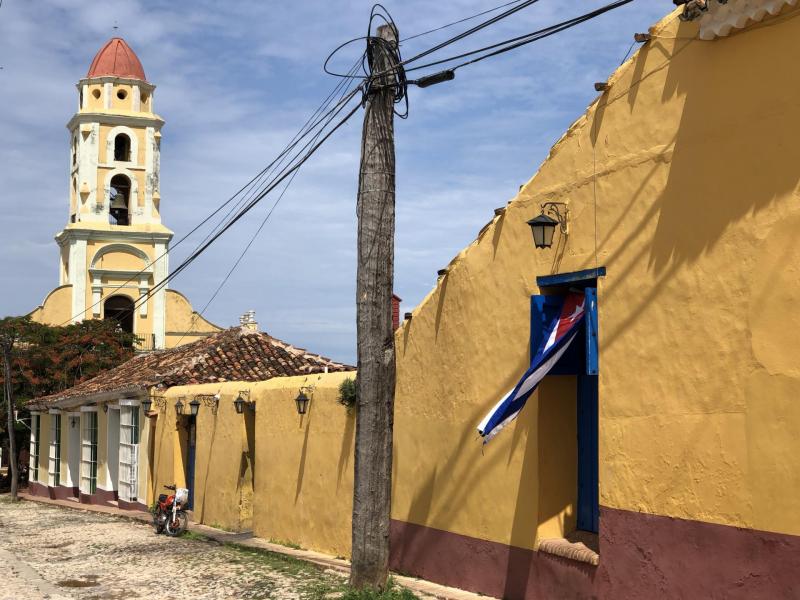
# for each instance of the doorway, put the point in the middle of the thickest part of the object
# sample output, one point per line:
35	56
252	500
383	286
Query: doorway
581	361
74	452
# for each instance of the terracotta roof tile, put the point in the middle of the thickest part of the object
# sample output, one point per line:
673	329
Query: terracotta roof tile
235	354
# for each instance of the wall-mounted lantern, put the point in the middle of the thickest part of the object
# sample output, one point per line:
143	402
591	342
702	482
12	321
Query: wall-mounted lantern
303	399
105	407
179	407
194	406
210	400
242	401
543	227
146	404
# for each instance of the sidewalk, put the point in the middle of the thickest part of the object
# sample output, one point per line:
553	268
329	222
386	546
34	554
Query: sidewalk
246	539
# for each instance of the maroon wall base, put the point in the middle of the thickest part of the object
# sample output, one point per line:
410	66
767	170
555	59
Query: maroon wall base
125	505
38	489
641	556
62	492
100	496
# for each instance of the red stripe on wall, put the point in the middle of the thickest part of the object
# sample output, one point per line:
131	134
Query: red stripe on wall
641	556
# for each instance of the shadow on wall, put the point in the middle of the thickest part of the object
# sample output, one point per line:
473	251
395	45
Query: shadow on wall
543	442
734	152
347	443
247	470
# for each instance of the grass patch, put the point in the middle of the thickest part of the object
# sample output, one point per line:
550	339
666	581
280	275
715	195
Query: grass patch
286	543
193	535
392	591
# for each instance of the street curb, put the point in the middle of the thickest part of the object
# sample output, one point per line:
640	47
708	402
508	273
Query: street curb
247	540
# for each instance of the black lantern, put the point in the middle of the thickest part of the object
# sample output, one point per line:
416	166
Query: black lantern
179	407
194	406
242	401
105	407
543	228
146	404
302	402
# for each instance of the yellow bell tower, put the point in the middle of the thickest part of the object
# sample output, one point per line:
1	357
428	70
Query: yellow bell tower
114	248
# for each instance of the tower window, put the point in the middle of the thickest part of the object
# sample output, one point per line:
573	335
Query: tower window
120	309
120	194
122	148
122	94
96	94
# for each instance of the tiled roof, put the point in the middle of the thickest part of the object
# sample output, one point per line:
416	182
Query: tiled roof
721	19
236	354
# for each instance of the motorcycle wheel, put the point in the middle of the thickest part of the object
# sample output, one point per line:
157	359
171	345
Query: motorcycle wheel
159	519
178	526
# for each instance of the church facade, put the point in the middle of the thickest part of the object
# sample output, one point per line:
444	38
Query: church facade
114	249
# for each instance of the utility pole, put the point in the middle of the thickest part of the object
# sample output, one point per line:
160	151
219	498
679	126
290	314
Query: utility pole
372	490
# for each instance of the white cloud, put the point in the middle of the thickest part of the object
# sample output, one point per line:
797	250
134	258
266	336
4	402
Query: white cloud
235	80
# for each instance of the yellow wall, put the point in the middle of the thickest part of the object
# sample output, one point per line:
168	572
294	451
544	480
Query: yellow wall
286	477
688	167
56	307
108	158
184	324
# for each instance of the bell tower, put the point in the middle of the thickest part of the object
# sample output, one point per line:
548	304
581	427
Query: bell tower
113	248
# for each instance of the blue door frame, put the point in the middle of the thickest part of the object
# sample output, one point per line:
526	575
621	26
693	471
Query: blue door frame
581	360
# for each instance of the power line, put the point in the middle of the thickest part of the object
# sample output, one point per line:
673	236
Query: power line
464	20
261	227
522	40
285	174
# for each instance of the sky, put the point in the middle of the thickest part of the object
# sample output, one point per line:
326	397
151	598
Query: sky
235	81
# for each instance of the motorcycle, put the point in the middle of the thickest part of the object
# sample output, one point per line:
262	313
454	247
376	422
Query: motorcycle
169	515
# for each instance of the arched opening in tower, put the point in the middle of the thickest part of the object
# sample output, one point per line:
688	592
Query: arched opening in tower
120	309
118	213
122	147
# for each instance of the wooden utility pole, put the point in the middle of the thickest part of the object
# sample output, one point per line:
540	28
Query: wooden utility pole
372	490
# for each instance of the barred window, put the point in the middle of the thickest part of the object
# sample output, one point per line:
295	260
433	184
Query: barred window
129	453
89	453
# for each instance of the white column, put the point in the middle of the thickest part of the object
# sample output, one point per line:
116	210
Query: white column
108	89
136	101
159	299
78	276
143	289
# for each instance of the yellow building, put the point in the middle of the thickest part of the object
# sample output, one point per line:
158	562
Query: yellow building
680	196
114	249
117	438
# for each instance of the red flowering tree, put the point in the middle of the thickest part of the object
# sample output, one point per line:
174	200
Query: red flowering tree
42	359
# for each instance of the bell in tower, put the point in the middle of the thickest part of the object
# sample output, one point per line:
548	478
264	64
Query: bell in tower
118	211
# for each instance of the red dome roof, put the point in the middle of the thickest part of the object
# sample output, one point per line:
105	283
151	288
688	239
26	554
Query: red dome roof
118	60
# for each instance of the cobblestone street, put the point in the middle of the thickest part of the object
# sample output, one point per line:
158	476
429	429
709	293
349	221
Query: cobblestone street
57	553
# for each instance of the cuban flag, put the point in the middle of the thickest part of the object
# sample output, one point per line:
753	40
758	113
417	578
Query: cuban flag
560	333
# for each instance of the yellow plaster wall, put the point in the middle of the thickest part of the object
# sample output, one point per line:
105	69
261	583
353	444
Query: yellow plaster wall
688	167
106	158
56	307
286	477
95	98
184	324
